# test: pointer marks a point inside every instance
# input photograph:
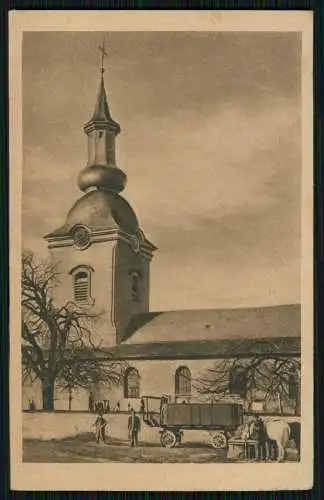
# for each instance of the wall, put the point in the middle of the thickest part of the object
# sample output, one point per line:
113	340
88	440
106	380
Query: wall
50	425
61	398
157	378
47	426
31	391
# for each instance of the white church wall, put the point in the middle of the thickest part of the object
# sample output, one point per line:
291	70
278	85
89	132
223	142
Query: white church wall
157	377
80	399
31	392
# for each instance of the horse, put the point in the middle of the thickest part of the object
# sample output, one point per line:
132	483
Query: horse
278	431
295	434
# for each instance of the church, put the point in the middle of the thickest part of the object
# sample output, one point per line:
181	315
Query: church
104	259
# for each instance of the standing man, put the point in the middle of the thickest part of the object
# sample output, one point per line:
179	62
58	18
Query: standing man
100	425
134	427
90	402
258	432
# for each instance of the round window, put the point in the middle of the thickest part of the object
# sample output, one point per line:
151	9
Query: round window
81	237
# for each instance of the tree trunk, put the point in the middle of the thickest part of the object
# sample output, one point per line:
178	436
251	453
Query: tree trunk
48	395
297	402
280	404
70	399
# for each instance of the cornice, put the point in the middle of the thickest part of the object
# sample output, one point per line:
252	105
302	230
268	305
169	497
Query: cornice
138	245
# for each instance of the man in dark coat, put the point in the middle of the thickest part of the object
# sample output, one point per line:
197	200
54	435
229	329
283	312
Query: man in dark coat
258	432
91	402
134	427
100	425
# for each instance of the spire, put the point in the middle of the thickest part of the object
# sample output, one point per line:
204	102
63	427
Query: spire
101	112
101	171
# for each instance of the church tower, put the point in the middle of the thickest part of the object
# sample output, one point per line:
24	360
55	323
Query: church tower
103	256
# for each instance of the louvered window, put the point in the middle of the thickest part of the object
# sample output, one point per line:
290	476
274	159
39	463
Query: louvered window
82	287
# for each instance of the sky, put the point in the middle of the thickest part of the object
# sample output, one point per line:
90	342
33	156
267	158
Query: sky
210	143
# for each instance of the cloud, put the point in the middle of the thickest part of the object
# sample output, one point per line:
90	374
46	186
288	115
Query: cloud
226	165
36	245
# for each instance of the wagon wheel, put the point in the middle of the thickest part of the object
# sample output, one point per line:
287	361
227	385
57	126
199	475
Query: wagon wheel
218	439
168	439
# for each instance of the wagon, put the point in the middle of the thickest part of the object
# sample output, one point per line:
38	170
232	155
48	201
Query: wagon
219	418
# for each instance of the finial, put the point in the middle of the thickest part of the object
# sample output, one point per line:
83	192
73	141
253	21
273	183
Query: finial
103	55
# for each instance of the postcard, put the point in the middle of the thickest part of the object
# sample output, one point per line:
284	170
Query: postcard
161	243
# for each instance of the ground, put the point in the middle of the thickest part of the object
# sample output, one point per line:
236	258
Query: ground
83	448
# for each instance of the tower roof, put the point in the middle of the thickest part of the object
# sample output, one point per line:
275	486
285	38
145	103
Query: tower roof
100	210
101	114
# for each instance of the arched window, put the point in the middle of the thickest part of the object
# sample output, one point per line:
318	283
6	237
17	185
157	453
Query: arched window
132	384
135	286
183	381
81	284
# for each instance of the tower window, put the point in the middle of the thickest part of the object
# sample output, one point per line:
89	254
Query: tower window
81	287
135	287
132	384
81	284
183	381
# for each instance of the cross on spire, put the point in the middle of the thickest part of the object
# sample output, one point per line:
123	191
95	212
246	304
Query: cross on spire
103	55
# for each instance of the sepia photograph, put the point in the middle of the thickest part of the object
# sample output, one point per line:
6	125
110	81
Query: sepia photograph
163	271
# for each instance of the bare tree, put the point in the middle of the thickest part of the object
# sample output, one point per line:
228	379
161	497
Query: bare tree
57	345
84	373
276	377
